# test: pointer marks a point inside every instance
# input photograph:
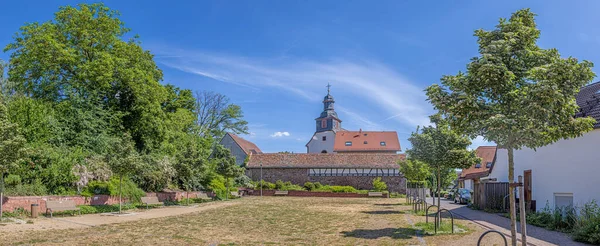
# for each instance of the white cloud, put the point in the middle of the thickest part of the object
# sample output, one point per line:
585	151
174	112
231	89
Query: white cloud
280	134
368	81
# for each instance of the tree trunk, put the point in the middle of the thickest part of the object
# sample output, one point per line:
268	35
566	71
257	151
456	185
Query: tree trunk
522	213
439	185
227	194
513	212
1	194
120	192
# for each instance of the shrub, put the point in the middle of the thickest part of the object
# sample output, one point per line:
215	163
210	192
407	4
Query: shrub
243	181
217	185
130	189
379	185
279	185
293	187
309	186
318	185
36	188
265	185
336	188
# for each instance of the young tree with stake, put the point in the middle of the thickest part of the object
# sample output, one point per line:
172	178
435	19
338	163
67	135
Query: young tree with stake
515	93
124	160
441	148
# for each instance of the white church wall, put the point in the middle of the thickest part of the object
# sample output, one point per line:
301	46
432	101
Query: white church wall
317	145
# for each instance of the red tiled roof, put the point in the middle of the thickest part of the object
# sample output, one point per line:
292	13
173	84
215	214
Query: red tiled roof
366	141
284	160
487	154
247	146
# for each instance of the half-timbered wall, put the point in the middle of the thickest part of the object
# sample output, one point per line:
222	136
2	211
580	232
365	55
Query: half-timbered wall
353	172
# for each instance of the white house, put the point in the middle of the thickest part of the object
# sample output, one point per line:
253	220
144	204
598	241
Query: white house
563	173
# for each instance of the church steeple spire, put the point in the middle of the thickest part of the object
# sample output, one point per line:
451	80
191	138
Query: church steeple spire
328	120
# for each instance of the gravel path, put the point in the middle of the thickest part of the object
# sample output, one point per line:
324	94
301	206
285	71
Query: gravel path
91	220
535	235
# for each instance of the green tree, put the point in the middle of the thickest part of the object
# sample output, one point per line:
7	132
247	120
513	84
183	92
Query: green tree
226	165
11	147
81	56
123	161
215	115
379	185
415	171
515	93
441	148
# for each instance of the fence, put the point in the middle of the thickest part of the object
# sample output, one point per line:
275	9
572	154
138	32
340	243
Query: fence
491	195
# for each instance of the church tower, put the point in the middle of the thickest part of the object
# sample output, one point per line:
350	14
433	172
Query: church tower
327	125
328	120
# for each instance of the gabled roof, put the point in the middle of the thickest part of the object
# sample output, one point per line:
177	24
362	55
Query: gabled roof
588	100
487	155
247	146
285	160
366	141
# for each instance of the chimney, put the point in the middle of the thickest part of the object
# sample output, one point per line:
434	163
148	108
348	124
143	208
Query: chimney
360	130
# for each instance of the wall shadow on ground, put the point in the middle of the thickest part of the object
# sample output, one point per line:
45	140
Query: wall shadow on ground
383	212
395	233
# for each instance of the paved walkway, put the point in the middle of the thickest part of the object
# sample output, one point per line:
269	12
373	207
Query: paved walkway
536	236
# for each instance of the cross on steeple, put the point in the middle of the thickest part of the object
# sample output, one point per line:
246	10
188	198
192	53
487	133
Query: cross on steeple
328	88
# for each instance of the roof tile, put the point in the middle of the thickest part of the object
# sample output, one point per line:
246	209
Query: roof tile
366	141
285	160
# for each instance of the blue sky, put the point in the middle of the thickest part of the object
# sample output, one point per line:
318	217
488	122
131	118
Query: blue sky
274	58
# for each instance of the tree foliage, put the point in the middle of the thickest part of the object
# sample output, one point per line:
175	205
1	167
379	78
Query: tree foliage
415	171
441	148
515	93
89	102
216	115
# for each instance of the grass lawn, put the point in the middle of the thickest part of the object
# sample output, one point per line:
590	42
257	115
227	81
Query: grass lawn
266	221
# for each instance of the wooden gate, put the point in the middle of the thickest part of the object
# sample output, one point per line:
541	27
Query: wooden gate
490	195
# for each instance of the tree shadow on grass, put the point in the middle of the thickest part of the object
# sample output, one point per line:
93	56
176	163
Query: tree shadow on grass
389	204
384	212
395	233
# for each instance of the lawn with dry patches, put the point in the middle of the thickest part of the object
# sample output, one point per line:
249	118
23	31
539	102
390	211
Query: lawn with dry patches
264	221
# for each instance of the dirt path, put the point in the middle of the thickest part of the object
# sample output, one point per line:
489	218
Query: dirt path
91	220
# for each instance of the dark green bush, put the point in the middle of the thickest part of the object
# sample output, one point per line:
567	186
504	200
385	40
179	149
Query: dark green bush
35	188
265	185
318	185
309	186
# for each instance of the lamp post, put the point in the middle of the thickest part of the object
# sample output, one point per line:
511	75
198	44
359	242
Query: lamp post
261	180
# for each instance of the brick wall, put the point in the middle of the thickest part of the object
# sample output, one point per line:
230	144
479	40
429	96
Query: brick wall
10	203
300	176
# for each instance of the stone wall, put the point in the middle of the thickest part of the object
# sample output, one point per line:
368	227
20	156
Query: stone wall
300	176
10	203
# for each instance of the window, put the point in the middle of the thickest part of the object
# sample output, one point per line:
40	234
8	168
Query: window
488	165
324	138
348	143
562	200
365	142
382	143
478	165
324	124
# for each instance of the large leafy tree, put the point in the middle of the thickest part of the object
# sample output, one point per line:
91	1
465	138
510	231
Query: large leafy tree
11	147
441	148
81	57
515	93
215	115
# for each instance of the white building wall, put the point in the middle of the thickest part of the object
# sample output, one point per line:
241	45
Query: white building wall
317	145
567	166
468	184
